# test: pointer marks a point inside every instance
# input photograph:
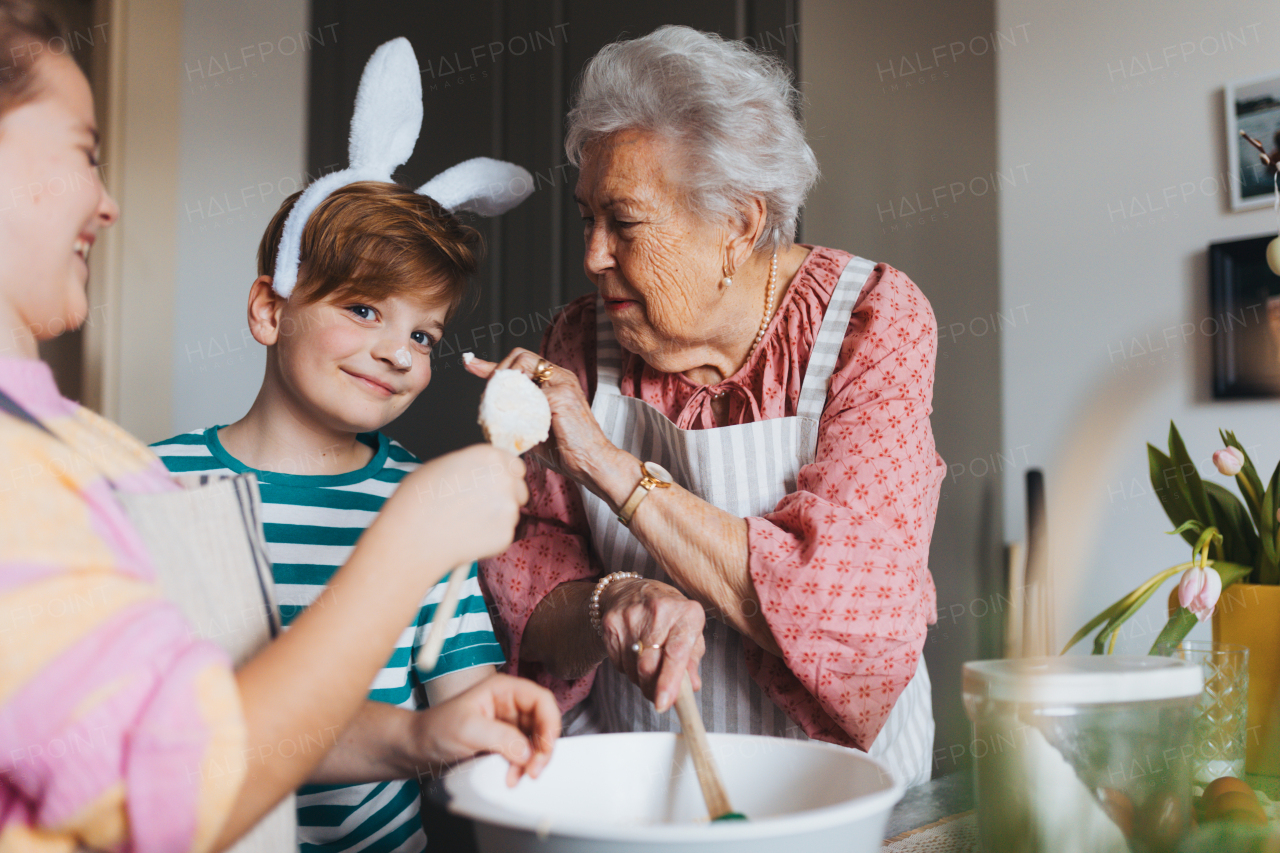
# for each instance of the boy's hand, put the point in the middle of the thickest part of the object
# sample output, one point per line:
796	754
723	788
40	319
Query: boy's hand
461	506
513	717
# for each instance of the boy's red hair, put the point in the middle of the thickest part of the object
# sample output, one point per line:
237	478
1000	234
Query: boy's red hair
372	240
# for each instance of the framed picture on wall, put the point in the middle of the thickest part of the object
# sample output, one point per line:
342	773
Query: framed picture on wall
1244	296
1253	105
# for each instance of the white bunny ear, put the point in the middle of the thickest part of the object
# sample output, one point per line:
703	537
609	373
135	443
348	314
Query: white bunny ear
289	250
482	185
388	113
384	130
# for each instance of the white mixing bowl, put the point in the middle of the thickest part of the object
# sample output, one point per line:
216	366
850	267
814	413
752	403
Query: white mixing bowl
638	792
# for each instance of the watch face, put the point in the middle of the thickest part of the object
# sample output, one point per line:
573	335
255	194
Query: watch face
657	472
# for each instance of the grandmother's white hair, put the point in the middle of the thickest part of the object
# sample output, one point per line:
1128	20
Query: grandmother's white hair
732	112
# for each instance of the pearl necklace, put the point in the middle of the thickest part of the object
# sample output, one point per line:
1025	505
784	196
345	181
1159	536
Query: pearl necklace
768	313
768	304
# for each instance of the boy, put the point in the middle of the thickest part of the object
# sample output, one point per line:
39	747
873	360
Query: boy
382	270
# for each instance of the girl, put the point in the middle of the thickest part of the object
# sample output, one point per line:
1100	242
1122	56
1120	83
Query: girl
118	728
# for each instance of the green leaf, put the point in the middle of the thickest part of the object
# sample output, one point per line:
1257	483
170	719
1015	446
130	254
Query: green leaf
1122	609
1174	632
1175	503
1240	540
1231	572
1104	616
1189	478
1270	569
1208	536
1134	601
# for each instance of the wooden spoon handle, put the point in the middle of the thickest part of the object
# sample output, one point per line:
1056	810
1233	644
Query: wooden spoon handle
429	653
700	751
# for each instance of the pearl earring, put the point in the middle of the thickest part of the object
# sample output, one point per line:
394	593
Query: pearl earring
727	281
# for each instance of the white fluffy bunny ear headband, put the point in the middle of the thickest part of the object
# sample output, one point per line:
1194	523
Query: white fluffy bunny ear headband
384	131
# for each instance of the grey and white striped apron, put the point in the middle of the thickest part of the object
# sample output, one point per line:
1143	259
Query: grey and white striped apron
744	470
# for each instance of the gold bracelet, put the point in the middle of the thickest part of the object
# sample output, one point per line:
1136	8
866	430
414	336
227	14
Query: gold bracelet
593	609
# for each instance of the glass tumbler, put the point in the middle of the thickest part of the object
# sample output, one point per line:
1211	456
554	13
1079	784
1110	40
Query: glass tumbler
1220	724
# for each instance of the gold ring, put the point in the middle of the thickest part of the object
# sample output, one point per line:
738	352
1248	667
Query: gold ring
542	372
639	648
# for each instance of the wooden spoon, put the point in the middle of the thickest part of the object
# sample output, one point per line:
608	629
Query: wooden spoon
537	422
695	735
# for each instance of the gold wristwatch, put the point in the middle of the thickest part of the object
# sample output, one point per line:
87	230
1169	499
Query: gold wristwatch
652	476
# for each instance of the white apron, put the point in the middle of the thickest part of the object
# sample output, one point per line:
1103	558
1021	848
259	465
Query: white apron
744	470
210	556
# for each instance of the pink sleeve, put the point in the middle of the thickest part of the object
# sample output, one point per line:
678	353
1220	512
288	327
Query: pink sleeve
119	729
134	719
841	565
553	540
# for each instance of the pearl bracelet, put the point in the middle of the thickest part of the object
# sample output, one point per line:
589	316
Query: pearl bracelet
593	609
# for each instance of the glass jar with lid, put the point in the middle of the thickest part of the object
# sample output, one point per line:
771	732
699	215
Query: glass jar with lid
1082	754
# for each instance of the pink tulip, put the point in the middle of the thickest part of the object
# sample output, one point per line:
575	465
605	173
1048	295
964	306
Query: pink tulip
1228	461
1198	591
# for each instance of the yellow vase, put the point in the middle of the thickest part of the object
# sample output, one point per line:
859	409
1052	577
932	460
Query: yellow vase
1249	615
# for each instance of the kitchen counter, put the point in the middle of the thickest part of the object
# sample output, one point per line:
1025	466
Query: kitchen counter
931	802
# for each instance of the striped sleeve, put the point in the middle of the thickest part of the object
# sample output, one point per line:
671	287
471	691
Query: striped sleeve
469	640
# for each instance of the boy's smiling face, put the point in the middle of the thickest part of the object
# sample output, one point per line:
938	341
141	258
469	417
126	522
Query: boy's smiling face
353	364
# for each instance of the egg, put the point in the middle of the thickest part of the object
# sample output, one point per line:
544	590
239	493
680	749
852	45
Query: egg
1273	255
1233	801
1218	787
1161	821
1244	816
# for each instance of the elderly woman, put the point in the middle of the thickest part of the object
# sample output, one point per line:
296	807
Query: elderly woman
741	480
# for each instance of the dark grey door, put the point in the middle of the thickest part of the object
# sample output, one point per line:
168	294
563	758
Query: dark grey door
496	78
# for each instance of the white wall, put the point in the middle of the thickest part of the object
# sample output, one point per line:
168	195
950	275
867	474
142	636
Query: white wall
1111	104
130	324
244	78
902	132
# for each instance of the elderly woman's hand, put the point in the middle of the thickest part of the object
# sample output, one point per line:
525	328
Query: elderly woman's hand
577	447
653	633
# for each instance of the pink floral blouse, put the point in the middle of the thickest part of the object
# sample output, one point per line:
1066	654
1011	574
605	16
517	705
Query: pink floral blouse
840	565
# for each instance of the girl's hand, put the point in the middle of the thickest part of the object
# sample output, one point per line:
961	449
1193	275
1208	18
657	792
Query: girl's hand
513	717
577	447
459	507
647	613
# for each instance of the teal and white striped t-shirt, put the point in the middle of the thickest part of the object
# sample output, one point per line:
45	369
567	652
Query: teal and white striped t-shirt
311	524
